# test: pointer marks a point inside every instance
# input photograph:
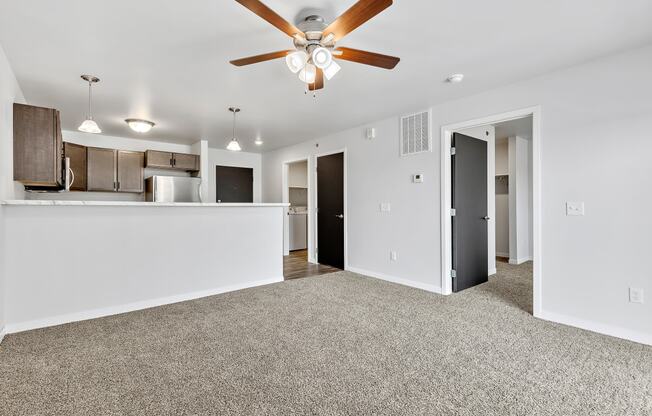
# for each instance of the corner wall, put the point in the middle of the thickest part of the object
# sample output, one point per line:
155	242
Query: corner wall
9	93
595	148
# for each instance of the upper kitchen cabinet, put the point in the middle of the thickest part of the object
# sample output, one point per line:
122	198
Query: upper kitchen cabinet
168	160
38	146
77	155
112	170
102	165
130	171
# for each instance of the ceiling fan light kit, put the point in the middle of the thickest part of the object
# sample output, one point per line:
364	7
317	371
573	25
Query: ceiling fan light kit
314	54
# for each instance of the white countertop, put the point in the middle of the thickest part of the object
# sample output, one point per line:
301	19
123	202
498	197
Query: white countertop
134	204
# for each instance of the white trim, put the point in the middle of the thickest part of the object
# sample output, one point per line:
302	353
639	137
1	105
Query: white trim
398	280
130	307
520	261
600	328
492	271
2	334
346	211
445	219
502	255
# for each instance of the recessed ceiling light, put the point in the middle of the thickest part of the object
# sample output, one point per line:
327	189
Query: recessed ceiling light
258	141
139	126
455	78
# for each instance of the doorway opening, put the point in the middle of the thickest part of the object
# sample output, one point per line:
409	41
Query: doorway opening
490	205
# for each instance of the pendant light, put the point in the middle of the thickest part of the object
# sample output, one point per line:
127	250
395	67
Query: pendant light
233	145
89	125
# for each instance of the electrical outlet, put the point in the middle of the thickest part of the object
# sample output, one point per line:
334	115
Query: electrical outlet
635	295
574	209
393	256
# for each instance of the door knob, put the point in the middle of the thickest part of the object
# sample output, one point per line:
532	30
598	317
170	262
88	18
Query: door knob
340	216
486	218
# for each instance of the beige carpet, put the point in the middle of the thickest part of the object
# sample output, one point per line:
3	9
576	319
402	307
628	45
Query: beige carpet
339	344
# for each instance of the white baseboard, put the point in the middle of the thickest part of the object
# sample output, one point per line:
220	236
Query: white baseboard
519	261
130	307
605	329
393	279
2	334
492	271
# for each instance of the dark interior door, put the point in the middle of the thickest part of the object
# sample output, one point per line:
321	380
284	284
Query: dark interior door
470	241
234	184
330	210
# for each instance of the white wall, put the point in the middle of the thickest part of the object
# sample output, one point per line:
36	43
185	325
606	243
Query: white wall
376	173
502	157
9	93
298	174
595	123
488	134
520	204
65	263
219	157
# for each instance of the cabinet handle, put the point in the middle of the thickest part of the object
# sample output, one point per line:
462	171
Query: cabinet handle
171	162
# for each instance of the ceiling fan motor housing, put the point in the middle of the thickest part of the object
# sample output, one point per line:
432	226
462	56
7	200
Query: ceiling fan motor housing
313	27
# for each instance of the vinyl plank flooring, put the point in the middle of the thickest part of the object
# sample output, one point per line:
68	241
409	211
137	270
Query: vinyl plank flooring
296	266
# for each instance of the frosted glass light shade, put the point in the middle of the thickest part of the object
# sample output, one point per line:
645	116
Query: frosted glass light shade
322	57
233	146
296	61
90	126
139	126
308	74
331	70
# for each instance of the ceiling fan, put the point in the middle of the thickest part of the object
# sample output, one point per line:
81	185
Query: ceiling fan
314	54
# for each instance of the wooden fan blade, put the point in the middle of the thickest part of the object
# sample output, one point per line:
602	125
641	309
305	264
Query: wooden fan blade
260	58
367	58
270	16
319	81
358	14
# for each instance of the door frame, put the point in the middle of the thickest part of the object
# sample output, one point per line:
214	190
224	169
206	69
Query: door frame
286	200
446	186
313	224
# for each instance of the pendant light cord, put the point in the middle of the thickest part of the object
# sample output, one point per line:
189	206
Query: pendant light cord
90	92
234	125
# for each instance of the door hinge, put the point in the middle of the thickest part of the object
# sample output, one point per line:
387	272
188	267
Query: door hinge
453	151
453	212
453	273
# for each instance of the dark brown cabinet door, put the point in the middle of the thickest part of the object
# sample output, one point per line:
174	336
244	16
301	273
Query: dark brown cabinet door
37	146
130	171
186	162
156	159
101	172
77	155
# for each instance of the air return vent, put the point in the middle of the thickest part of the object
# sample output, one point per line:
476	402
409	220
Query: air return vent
416	134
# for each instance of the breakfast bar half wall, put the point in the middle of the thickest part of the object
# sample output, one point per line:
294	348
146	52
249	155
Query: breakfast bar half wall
66	261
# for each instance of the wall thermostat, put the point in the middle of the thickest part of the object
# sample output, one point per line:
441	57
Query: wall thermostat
417	178
370	133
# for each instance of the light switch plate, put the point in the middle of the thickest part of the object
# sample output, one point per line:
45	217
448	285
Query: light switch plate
385	207
574	209
635	295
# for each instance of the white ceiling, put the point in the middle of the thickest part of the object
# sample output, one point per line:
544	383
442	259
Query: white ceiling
167	60
519	127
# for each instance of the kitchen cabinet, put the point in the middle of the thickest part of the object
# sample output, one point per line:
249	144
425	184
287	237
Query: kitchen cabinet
168	160
130	171
77	155
101	169
112	170
38	146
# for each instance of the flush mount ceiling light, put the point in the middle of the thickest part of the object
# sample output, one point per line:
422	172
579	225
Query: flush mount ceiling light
89	125
455	78
139	125
233	145
314	53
